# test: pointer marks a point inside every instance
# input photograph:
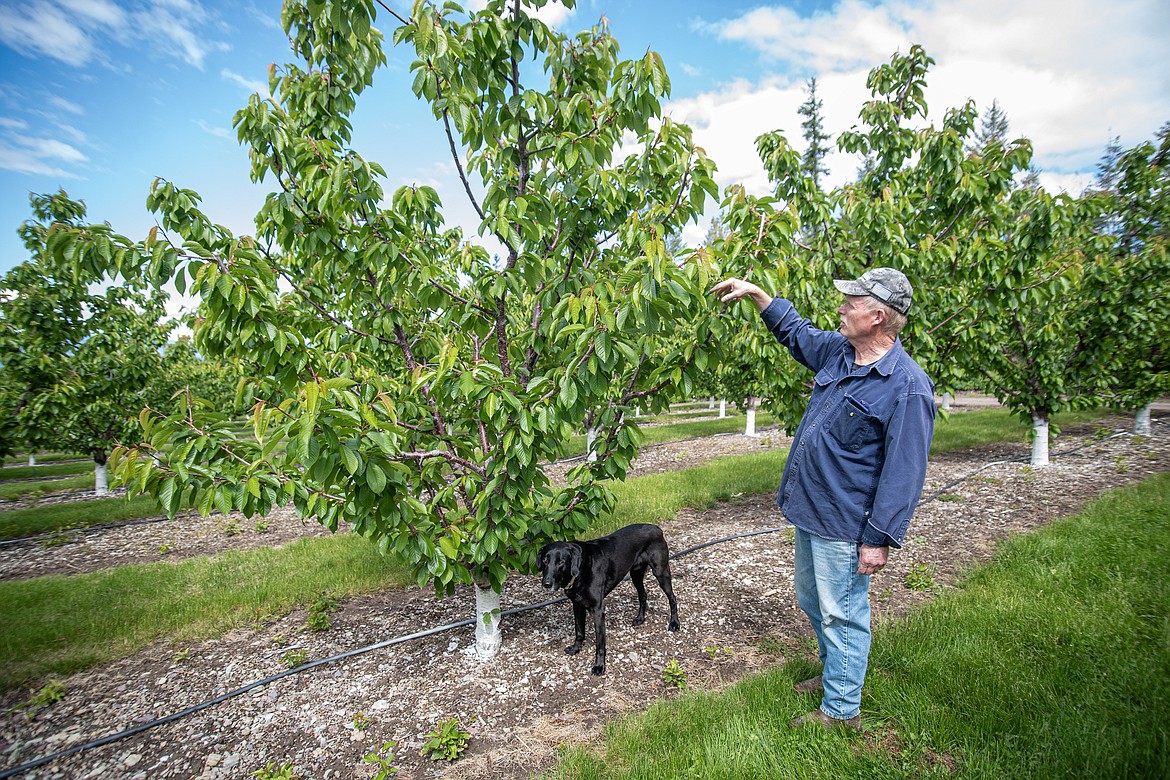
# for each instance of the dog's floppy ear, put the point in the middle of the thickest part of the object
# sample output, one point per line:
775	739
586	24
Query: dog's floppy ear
540	558
574	560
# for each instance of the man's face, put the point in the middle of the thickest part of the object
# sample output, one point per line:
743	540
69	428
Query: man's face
857	318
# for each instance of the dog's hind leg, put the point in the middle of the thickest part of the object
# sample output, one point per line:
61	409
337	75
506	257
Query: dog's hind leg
662	574
637	575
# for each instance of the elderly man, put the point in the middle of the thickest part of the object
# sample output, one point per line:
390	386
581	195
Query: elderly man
855	470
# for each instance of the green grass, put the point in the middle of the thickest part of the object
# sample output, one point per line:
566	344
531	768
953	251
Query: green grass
21	458
18	523
9	491
46	470
994	426
676	431
1052	661
59	625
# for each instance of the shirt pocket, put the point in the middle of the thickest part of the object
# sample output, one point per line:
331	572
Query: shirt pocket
855	427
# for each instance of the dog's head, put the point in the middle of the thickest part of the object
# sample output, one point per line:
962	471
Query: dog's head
559	564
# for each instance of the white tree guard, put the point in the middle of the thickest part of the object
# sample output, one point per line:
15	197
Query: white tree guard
487	623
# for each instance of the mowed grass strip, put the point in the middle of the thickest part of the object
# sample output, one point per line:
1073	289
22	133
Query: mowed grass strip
10	491
1051	661
58	625
46	470
21	523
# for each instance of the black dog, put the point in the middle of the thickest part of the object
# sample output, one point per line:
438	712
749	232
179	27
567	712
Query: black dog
588	571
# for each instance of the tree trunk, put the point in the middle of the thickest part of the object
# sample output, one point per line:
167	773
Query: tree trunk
487	623
1141	421
722	408
32	459
1040	441
712	404
946	401
101	485
590	437
752	403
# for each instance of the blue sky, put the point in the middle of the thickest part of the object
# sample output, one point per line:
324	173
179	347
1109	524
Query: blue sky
99	97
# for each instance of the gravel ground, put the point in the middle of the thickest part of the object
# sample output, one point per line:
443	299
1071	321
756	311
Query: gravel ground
737	607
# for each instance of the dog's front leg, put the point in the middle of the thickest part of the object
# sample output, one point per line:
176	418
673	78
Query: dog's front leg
599	627
578	629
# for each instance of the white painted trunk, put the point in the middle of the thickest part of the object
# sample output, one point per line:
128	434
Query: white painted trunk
750	429
590	437
722	408
487	623
1141	421
1039	442
637	412
947	398
32	459
101	484
712	404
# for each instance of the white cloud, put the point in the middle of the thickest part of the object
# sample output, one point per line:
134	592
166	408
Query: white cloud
37	156
77	32
250	85
1069	73
218	132
42	29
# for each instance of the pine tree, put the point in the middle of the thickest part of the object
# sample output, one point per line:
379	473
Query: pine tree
993	129
812	161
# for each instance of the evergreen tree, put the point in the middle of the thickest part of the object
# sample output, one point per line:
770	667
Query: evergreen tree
993	129
812	162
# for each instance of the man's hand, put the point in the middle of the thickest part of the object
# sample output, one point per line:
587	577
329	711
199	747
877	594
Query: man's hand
734	289
871	559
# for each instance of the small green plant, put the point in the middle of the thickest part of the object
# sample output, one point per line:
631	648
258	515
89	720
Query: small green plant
182	655
920	577
165	549
446	742
715	652
59	538
789	535
674	674
318	622
771	645
383	757
1121	464
361	721
52	693
318	613
294	658
886	595
950	497
232	528
263	526
274	772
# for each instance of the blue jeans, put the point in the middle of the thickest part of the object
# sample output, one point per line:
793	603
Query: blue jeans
836	599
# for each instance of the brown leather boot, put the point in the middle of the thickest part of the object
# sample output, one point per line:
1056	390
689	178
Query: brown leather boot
821	719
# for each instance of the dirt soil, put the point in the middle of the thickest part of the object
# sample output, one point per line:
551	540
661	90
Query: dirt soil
737	607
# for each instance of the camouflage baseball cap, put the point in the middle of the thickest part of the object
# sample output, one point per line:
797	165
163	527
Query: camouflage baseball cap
888	285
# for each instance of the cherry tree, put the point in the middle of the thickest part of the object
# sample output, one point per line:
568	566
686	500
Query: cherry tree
426	377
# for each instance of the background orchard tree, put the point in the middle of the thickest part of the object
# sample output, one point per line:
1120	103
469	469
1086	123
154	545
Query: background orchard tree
1129	280
921	204
428	383
84	364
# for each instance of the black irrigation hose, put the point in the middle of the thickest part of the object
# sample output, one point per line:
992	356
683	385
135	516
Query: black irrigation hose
432	631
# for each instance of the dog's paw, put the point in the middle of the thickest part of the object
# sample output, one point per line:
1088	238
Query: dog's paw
599	670
673	625
638	621
573	649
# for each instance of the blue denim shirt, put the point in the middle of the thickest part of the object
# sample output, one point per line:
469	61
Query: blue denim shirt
858	460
